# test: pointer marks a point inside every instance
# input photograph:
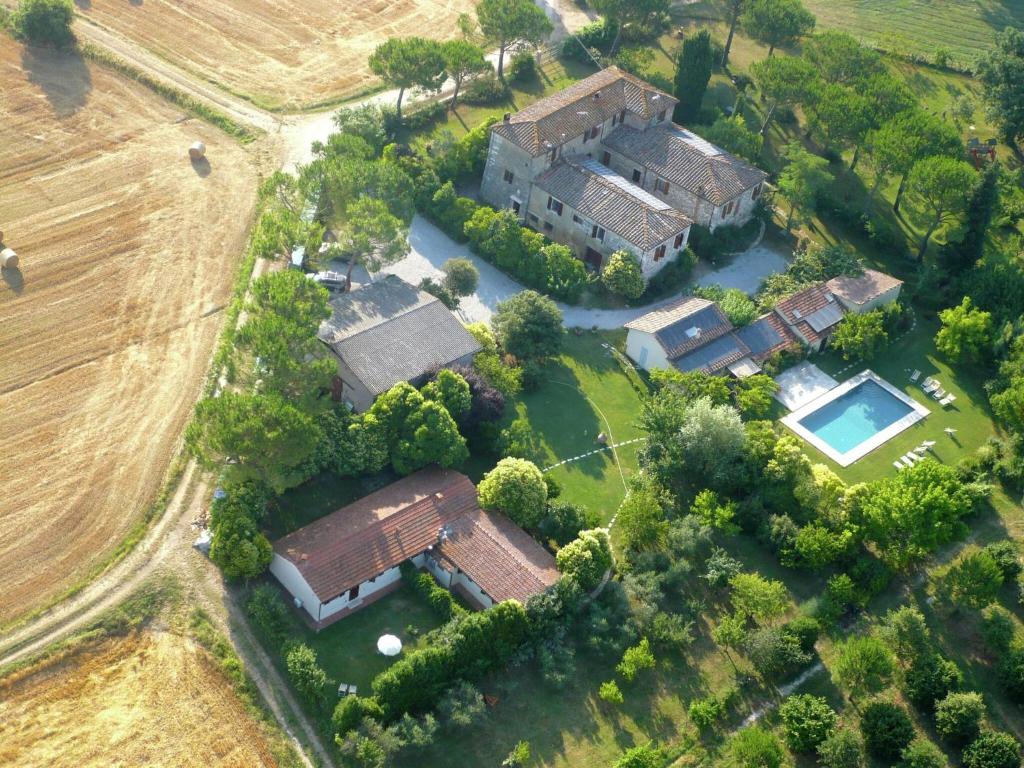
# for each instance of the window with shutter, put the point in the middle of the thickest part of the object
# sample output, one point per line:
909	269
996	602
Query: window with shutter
659	253
679	240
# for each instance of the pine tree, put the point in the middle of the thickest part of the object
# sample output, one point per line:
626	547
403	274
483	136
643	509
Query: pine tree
693	72
980	208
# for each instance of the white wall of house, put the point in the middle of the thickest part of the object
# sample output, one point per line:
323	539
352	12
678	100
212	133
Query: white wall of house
471	586
645	350
353	390
293	581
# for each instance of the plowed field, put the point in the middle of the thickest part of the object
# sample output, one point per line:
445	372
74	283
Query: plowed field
280	53
128	252
155	700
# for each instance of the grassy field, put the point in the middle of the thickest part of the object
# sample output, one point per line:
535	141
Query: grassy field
964	29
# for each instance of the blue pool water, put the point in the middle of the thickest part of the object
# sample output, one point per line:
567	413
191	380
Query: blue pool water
851	419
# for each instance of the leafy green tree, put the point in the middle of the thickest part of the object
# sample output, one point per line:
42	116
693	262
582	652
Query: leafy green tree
430	436
409	62
994	749
808	721
755	747
784	82
693	73
776	22
563	521
644	756
518	757
908	515
305	673
754	395
462	59
586	558
803	178
733	135
365	121
966	333
267	438
691	386
842	115
515	487
958	717
730	634
239	549
460	276
621	275
863	664
44	22
641	519
843	748
642	15
929	679
858	336
998	629
761	599
505	22
842	59
528	325
348	180
291	296
774	653
921	753
610	694
974	580
710	439
710	511
887	730
1001	71
351	710
635	659
897	145
1007	557
905	631
450	390
940	187
372	236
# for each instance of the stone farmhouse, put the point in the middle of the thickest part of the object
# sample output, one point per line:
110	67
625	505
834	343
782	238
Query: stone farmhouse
387	332
350	558
693	334
601	166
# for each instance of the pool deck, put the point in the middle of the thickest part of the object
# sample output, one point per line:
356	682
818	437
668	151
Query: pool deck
861	449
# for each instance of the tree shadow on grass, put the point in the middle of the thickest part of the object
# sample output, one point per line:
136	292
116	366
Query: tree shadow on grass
62	75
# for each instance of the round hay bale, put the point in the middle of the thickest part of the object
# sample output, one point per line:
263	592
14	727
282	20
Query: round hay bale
8	258
197	151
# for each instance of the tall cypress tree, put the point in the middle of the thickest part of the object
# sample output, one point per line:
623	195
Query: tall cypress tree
980	209
693	71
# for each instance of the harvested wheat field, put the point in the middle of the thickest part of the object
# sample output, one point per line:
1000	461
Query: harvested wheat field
153	699
128	252
279	53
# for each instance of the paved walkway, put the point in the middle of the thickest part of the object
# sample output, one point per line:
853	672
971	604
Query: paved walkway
430	248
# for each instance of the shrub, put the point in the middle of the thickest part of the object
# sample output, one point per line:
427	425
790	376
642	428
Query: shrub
437	597
773	653
269	615
563	520
528	326
993	750
958	717
516	488
622	276
887	730
808	721
974	580
609	693
806	630
45	22
635	660
485	90
462	706
522	67
1006	556
518	757
586	558
998	628
929	679
921	753
841	749
755	747
641	757
460	276
706	712
305	673
350	713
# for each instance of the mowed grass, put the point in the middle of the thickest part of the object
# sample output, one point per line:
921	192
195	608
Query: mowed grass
585	392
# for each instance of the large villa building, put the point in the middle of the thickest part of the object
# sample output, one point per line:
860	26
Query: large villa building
601	167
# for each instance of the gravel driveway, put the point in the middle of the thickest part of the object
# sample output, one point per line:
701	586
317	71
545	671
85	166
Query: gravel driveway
430	248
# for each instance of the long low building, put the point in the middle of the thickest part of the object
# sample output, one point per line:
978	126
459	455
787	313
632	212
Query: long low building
351	557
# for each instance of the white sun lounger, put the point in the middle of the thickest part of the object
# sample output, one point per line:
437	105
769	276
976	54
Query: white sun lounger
947	400
939	393
927	382
898	464
915	375
912	458
931	386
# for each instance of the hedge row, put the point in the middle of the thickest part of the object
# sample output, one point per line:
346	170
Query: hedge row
439	598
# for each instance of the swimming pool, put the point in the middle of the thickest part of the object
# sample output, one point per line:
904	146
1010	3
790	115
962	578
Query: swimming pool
855	417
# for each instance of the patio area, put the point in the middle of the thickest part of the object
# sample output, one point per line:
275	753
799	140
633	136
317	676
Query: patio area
801	384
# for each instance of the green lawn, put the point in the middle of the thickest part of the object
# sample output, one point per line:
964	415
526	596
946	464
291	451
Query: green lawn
585	392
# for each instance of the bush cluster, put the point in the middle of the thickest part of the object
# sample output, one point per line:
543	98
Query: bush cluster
437	597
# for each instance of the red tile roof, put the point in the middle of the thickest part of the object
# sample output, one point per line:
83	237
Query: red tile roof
400	521
797	308
499	556
862	288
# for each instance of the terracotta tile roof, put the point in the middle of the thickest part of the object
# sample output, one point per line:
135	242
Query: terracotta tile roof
499	556
800	310
400	521
567	114
377	532
766	336
686	160
614	203
862	288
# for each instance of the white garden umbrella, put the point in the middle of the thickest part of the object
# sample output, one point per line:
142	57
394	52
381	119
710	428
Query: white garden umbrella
949	431
389	645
